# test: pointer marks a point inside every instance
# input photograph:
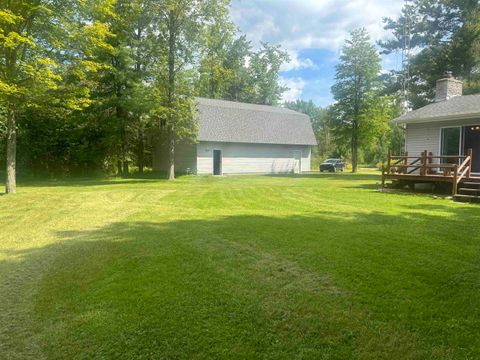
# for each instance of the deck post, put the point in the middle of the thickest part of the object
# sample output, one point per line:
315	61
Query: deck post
430	162
469	154
423	169
405	168
455	183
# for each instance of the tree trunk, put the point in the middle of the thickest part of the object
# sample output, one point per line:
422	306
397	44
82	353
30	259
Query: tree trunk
171	93
141	130
11	183
119	168
125	168
354	148
141	151
171	154
354	160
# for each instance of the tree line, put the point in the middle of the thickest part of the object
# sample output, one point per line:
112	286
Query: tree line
86	85
89	86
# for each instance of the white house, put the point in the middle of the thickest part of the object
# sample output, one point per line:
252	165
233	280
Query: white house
239	138
449	126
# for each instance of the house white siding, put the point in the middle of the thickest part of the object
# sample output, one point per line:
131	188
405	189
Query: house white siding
426	136
240	158
421	137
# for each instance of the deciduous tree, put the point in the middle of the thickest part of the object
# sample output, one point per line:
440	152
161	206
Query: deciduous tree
264	68
34	52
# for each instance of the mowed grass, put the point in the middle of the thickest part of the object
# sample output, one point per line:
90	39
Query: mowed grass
257	267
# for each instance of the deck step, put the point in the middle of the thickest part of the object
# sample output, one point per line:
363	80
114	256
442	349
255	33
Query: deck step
468	186
469	190
471	180
467	198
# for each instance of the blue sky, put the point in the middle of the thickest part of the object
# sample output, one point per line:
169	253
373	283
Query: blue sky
313	32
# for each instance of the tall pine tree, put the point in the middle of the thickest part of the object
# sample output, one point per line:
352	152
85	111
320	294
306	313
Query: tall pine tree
444	36
354	91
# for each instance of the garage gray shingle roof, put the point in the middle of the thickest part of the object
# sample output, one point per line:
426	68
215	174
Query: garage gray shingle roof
228	121
460	107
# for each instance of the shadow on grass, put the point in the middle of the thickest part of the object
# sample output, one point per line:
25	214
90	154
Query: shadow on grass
94	181
84	182
151	177
332	285
368	186
337	176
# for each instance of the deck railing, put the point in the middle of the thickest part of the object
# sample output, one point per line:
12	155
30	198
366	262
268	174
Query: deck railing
428	166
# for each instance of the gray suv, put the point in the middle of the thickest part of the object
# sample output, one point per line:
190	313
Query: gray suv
332	165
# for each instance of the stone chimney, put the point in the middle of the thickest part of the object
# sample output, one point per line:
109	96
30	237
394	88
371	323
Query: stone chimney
448	88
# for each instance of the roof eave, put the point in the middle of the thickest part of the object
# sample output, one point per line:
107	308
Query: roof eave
311	143
436	118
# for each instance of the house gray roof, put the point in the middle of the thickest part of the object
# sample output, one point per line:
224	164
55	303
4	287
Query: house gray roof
228	121
460	107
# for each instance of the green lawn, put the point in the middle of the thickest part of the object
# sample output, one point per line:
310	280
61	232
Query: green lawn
270	267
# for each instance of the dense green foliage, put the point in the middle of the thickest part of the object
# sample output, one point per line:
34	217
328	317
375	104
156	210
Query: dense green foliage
41	43
444	36
272	267
92	85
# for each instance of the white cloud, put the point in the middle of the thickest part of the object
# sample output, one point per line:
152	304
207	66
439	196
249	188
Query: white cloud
296	63
295	88
300	24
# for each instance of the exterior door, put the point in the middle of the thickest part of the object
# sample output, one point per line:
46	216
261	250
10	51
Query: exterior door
472	141
297	162
217	162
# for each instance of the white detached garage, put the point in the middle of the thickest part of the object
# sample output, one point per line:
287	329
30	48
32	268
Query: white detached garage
239	138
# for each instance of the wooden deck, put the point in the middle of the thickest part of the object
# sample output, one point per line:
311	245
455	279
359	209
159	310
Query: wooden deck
428	168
